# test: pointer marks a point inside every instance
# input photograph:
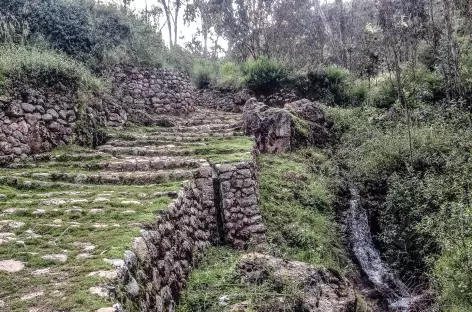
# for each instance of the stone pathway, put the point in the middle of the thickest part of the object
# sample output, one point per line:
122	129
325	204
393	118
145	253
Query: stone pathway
66	217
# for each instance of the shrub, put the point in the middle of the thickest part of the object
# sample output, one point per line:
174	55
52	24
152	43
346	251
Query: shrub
181	60
89	31
230	77
382	94
204	74
333	85
451	226
427	55
40	66
423	86
264	75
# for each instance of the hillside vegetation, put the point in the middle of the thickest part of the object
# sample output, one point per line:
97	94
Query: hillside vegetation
395	78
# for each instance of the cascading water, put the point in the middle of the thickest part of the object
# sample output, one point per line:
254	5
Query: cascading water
360	238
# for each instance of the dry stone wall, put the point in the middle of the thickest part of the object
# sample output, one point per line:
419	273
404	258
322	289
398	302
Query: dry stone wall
229	101
220	205
239	193
226	101
146	93
34	120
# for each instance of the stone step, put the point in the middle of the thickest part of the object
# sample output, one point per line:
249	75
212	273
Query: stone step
202	128
211	133
23	184
217	134
150	142
129	164
123	178
169	150
93	155
166	139
205	121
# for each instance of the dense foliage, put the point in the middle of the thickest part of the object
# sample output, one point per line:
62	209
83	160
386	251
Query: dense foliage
96	34
419	192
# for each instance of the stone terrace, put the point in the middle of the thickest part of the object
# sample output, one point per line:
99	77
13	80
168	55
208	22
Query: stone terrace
67	217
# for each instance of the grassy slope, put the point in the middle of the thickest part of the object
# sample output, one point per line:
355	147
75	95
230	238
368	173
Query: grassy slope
297	211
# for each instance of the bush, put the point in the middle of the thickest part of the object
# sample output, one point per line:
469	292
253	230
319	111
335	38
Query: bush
230	77
40	66
181	60
204	74
264	75
333	85
451	226
91	32
382	94
423	86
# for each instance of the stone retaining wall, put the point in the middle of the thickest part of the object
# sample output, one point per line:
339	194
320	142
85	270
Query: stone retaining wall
229	101
226	101
35	120
239	193
145	93
220	205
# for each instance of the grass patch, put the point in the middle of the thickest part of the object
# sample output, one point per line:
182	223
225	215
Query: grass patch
297	209
216	280
42	66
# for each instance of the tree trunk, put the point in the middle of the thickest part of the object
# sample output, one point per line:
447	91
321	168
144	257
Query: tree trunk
205	38
452	70
176	20
169	21
342	31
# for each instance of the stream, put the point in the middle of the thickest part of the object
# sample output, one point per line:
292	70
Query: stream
378	273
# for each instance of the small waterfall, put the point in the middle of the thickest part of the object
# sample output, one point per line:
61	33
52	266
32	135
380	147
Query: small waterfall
379	274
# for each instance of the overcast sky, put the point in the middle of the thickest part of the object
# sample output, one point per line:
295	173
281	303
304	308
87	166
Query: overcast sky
185	31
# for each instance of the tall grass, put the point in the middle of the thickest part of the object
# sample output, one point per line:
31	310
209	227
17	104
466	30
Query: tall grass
45	67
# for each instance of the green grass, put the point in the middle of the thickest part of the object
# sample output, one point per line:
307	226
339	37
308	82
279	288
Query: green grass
297	207
42	66
217	277
67	287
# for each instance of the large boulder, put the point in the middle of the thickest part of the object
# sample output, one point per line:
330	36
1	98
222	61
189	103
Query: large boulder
314	289
277	130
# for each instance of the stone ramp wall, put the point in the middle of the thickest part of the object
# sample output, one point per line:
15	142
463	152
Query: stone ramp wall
146	93
220	205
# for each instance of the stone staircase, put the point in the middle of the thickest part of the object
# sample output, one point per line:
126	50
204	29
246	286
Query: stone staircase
67	217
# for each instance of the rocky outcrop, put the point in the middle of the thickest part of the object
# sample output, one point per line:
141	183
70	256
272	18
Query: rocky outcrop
35	120
146	93
220	205
276	130
322	290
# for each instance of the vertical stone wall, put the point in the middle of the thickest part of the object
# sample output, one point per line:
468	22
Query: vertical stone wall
239	193
146	92
219	205
34	120
230	101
